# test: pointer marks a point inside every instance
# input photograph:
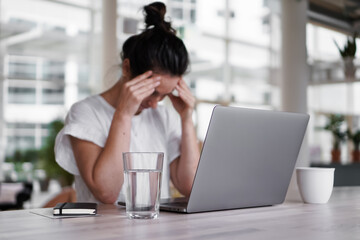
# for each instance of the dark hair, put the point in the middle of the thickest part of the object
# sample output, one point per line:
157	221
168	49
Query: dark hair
157	47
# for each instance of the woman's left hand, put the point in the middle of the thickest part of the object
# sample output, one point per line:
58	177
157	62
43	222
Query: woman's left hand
185	103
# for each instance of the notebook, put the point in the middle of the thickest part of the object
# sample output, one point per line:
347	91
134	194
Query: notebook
247	160
77	208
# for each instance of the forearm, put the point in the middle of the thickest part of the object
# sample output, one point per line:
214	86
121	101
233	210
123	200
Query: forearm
107	175
102	168
189	158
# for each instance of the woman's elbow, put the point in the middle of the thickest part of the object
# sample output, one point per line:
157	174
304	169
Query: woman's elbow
107	198
186	189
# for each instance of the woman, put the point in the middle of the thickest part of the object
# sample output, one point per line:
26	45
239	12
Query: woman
126	117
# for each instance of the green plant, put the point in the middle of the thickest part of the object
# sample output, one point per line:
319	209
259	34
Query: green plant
355	138
19	157
47	156
334	125
349	49
28	155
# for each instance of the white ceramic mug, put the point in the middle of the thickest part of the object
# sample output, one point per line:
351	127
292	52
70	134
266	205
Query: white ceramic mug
315	184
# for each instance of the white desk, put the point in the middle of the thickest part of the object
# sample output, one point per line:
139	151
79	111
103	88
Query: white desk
339	219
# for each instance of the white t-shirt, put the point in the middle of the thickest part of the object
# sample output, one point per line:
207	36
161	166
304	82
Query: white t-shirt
154	130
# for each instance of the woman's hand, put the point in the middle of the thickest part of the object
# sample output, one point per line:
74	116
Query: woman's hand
185	103
183	168
133	92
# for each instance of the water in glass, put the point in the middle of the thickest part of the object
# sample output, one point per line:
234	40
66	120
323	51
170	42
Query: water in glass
142	193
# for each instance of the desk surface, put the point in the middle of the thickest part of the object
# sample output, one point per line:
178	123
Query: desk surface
338	219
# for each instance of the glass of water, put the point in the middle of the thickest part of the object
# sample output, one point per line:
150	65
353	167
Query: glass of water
142	179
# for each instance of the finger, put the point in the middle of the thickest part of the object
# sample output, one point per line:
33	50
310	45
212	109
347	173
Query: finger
140	78
184	87
183	84
187	97
146	88
147	82
188	101
184	98
146	93
184	92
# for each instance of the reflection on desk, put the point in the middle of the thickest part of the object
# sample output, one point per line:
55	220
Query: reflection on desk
338	219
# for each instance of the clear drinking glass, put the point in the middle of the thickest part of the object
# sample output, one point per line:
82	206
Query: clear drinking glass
142	177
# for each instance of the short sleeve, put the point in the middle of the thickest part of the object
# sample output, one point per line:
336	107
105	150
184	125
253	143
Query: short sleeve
173	134
81	122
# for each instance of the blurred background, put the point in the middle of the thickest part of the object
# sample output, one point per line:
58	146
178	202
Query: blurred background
56	52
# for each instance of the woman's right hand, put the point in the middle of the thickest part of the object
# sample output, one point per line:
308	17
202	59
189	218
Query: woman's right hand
134	91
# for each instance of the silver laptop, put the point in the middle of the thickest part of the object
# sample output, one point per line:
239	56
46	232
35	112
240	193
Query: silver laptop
247	160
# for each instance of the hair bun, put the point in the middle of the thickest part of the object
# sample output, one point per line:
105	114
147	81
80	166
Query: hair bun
154	16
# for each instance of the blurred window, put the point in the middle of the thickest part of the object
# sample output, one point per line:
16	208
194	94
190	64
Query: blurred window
53	71
21	95
53	96
22	70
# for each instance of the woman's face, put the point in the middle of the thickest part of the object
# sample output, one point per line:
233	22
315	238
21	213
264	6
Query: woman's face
167	85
